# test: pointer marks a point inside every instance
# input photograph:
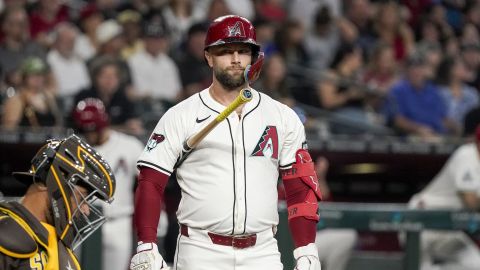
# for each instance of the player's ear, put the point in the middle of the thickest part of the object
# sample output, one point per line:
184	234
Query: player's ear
208	57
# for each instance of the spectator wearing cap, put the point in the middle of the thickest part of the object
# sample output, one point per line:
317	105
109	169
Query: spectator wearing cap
34	104
89	19
16	46
110	40
195	74
130	21
69	70
415	105
155	74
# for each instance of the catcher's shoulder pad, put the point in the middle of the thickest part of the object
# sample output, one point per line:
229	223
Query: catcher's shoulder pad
15	240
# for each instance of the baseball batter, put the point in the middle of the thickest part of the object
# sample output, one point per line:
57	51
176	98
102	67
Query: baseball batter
456	186
120	151
228	212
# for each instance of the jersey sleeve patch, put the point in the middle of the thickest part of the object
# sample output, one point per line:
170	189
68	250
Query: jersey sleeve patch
154	140
15	241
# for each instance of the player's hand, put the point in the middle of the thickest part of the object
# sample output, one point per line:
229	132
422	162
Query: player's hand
307	258
148	258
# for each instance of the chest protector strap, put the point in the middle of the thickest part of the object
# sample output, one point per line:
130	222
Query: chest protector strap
303	171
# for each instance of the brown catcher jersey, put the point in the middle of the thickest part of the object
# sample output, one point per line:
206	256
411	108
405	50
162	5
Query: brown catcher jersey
28	244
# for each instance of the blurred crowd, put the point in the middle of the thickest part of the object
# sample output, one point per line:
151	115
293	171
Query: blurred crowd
408	66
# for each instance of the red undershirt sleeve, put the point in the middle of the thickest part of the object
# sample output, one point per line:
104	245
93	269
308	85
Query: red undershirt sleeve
303	230
148	203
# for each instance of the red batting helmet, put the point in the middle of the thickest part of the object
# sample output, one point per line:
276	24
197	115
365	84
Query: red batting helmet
90	115
231	29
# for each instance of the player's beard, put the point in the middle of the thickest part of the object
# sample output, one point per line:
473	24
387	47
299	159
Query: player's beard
228	81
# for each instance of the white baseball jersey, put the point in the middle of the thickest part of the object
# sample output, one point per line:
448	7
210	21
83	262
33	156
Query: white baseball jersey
460	173
229	181
121	152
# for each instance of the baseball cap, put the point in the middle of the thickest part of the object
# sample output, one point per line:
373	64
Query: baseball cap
416	59
128	16
155	28
107	31
33	65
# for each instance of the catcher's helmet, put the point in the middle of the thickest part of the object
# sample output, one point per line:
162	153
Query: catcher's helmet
231	29
62	166
90	115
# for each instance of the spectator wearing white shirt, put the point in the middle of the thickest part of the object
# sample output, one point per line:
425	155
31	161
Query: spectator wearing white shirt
69	70
154	73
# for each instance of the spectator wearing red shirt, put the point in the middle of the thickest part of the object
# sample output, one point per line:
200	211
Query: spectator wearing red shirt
44	19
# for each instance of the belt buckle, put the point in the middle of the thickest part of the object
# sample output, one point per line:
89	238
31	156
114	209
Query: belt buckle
239	238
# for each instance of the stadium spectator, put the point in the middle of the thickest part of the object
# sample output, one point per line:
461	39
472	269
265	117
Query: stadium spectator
111	43
389	27
470	54
361	14
265	35
86	44
415	104
325	37
338	89
194	71
459	97
45	15
290	43
216	9
381	73
34	103
69	70
271	10
305	10
179	17
155	74
106	86
16	45
455	187
130	20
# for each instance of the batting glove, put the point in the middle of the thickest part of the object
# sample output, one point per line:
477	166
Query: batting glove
148	258
307	258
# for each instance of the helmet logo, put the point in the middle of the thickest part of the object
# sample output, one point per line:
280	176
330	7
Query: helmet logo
236	30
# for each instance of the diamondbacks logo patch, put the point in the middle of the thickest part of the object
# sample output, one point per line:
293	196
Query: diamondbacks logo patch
267	146
236	30
154	141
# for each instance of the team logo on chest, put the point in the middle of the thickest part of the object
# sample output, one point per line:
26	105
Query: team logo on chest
154	141
236	30
267	146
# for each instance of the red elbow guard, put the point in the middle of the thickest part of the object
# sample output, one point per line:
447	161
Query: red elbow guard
298	179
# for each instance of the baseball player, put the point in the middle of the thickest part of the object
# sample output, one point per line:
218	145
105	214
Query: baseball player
228	211
57	212
456	186
121	152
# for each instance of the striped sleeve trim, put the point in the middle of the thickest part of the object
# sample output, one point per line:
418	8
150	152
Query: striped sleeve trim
286	165
153	166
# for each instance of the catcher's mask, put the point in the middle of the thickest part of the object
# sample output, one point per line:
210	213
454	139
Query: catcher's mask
67	168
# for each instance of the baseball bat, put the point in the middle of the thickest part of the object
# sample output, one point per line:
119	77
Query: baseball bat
244	97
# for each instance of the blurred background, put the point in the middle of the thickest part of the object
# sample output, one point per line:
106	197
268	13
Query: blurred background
348	68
